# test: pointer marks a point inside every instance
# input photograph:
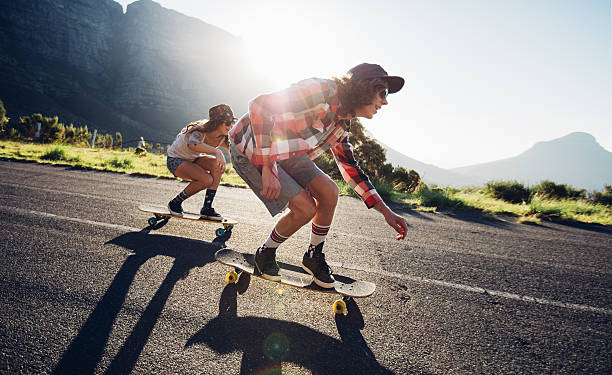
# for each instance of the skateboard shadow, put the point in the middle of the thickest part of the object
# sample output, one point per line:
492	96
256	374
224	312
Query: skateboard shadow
268	343
86	349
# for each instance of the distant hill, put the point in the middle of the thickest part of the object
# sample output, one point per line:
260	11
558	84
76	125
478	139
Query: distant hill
429	173
575	159
146	72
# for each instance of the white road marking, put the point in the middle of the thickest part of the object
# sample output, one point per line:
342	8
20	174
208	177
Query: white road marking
73	219
417	279
479	290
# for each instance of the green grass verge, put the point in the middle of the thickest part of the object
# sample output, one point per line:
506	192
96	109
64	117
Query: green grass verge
122	161
423	199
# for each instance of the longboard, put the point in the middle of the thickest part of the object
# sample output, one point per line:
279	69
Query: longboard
163	214
295	276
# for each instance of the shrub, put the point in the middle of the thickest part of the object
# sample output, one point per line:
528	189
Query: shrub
436	197
509	191
604	197
404	180
118	140
120	164
140	151
3	119
55	154
549	189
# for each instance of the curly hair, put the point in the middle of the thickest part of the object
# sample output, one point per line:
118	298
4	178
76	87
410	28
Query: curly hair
205	126
355	93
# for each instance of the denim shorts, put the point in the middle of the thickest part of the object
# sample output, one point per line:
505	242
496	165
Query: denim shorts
294	174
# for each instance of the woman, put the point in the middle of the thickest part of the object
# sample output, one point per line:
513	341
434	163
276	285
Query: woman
195	156
273	147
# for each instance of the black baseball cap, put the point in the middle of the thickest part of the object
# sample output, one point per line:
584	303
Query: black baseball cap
368	71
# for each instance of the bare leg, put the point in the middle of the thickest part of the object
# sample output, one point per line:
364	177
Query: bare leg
301	210
200	178
208	163
325	193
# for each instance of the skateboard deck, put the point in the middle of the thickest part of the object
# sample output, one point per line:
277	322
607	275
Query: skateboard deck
295	276
164	211
163	214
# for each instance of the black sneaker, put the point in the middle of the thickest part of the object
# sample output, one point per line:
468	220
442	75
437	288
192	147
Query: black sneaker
210	214
176	208
318	268
265	261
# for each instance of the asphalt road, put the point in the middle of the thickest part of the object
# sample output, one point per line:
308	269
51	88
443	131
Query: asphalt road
86	288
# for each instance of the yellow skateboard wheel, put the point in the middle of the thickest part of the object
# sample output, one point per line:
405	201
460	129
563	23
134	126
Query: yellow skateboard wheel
339	307
231	277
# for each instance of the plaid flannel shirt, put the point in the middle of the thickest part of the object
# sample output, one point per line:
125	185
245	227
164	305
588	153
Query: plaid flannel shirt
297	120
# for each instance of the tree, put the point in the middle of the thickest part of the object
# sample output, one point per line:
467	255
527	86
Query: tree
118	140
371	157
51	130
405	180
3	120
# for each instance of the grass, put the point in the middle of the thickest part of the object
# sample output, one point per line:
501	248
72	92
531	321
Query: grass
424	198
99	159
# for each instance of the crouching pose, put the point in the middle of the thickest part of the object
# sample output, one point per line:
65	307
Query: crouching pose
195	156
273	147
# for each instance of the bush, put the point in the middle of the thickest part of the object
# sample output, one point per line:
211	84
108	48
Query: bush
118	140
604	197
551	190
3	120
436	197
406	181
120	164
140	151
55	154
509	191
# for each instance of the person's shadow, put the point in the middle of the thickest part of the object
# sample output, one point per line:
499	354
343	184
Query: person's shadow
267	343
86	349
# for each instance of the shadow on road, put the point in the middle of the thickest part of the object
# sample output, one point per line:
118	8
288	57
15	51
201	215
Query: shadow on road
593	227
473	216
267	343
87	348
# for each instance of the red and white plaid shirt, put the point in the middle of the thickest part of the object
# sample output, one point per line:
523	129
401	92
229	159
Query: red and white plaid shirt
301	119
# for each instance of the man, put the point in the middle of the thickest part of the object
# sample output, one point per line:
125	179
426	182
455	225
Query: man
273	145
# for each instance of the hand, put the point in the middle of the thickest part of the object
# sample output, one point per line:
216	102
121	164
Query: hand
271	185
394	220
220	161
398	223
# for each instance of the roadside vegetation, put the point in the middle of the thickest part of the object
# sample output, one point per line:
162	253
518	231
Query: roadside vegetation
55	143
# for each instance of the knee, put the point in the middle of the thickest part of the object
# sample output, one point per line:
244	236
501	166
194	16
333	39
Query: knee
204	180
329	196
304	209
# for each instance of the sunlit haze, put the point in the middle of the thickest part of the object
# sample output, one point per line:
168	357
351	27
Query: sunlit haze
485	79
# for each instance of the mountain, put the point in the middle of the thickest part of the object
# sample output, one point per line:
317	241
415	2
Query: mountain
575	159
145	72
429	173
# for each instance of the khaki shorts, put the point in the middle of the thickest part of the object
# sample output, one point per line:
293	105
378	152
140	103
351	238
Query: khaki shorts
295	174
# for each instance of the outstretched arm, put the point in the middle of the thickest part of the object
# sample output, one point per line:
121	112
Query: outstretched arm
394	220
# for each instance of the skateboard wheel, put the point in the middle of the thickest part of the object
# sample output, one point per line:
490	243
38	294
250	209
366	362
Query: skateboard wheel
231	277
220	232
339	307
152	221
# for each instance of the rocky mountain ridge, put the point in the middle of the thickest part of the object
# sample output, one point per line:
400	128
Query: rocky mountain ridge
145	72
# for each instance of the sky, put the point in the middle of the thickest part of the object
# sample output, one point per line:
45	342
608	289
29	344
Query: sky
485	79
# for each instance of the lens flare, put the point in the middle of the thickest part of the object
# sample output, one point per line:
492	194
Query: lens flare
276	346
